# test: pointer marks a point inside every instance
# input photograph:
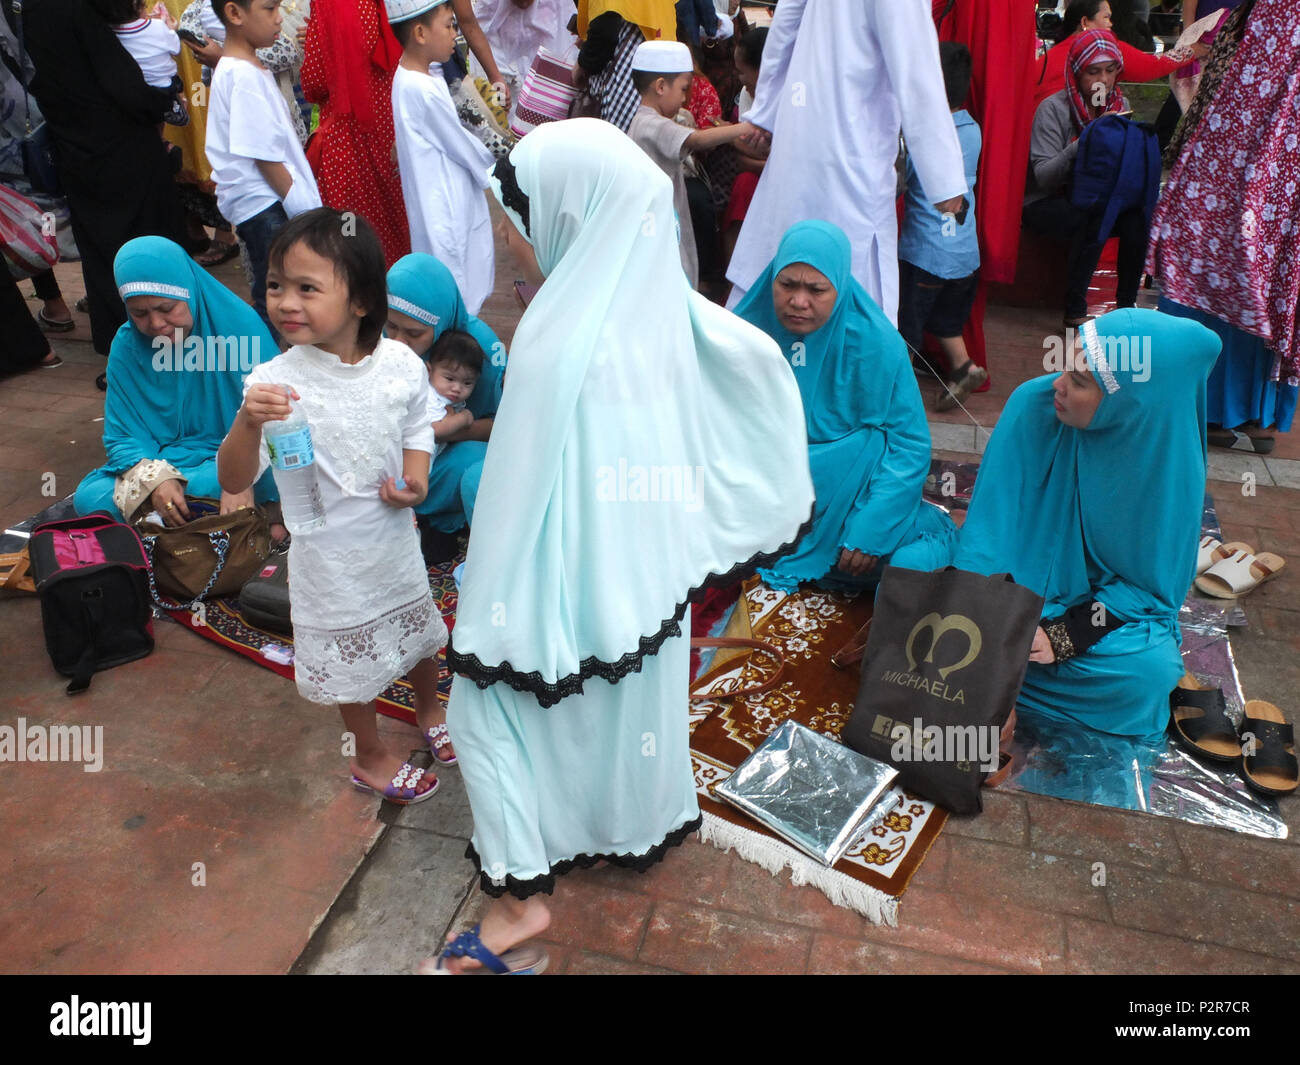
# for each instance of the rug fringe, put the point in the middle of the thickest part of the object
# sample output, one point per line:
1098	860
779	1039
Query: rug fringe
774	856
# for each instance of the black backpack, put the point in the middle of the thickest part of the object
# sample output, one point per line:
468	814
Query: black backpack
93	583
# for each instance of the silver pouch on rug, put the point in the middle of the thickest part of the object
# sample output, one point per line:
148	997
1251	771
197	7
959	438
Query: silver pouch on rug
814	793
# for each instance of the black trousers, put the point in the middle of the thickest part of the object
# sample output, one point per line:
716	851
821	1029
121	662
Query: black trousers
1056	217
46	286
24	344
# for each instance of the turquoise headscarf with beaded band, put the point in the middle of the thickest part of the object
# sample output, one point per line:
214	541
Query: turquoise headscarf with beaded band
175	414
1110	513
422	287
155	408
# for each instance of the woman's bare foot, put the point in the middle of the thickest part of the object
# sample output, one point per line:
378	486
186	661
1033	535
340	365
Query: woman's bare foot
507	923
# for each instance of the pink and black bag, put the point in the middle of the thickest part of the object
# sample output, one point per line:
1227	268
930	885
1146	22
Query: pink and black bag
93	581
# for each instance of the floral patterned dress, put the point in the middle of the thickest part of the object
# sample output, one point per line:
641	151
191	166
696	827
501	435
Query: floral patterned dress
360	601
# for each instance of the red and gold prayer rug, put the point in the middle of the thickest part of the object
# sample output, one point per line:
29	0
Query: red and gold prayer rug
808	627
221	623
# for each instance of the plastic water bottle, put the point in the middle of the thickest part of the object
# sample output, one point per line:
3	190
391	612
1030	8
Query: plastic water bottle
294	464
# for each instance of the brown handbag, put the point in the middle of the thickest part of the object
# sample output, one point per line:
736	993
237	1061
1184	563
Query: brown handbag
211	555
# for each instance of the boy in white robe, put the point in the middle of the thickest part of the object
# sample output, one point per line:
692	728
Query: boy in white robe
840	79
443	167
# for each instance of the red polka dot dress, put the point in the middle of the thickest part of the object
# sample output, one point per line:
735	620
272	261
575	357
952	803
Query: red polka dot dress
348	65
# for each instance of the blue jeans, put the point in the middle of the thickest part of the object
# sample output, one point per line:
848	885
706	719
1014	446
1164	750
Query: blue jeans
257	233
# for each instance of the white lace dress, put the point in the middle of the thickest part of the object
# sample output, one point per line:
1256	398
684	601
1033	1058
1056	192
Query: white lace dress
358	588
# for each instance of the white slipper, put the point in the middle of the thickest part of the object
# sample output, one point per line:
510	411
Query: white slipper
1242	573
1212	551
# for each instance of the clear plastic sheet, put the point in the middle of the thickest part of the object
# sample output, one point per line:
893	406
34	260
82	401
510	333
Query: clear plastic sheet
1053	758
16	536
775	784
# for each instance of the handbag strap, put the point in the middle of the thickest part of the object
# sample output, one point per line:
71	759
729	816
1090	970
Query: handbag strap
753	645
220	541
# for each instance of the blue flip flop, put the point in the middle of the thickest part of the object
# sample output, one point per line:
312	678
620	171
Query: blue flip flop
517	961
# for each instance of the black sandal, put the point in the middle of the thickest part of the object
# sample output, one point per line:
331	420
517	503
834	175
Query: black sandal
1272	769
1235	440
1203	728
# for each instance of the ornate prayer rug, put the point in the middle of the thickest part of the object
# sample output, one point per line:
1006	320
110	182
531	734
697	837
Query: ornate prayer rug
221	623
808	627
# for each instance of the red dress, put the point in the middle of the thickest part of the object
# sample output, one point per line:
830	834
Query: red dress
347	68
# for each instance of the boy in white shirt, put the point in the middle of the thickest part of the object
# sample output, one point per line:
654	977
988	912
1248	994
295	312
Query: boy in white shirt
260	170
443	166
150	39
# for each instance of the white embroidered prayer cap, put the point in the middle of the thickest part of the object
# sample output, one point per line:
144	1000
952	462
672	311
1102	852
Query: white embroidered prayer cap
663	57
401	10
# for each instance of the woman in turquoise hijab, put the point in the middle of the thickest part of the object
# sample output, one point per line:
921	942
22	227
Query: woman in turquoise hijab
868	439
1091	494
175	382
423	302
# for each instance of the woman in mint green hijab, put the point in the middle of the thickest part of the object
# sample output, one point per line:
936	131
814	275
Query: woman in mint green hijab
868	439
649	444
169	404
1091	494
424	302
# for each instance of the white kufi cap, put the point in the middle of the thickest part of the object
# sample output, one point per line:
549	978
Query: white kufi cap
401	10
663	57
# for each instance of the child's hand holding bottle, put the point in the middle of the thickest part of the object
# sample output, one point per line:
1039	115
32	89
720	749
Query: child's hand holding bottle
267	403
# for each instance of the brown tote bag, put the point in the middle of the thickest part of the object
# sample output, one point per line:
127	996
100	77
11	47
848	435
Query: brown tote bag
211	556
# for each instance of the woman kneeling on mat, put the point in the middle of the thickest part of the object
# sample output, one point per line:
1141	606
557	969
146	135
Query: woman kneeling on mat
423	303
175	382
868	439
1091	493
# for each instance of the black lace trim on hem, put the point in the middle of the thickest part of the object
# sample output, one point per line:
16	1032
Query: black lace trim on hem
545	884
548	694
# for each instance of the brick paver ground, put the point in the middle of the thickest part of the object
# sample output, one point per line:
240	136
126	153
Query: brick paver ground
210	758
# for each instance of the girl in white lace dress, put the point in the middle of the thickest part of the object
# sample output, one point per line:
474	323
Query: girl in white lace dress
359	593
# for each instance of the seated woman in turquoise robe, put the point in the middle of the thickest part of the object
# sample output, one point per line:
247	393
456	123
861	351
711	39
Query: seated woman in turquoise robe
1091	493
423	302
868	439
175	382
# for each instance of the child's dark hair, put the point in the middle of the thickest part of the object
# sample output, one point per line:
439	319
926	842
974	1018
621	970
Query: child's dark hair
404	29
512	195
346	240
643	79
955	60
458	349
219	6
117	12
750	46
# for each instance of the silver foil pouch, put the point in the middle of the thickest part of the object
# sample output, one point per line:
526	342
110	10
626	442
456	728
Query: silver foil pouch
813	792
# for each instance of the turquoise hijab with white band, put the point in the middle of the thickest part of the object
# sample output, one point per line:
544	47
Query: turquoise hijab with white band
155	407
421	287
1110	513
1113	511
648	439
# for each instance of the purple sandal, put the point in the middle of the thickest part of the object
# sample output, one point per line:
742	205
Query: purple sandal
437	737
401	792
